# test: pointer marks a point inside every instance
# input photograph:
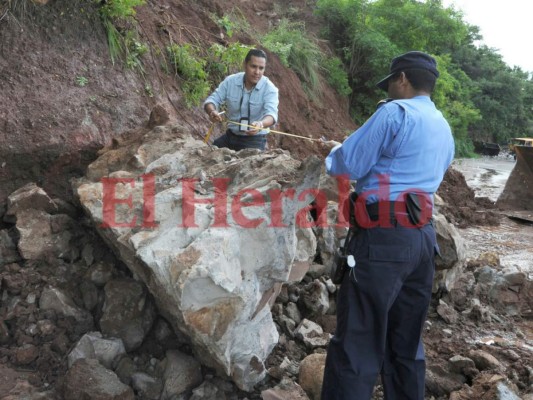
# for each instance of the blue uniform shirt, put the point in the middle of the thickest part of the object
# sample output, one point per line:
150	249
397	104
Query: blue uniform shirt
260	102
406	143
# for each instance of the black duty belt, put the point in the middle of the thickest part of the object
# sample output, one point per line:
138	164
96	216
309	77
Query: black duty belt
391	209
413	209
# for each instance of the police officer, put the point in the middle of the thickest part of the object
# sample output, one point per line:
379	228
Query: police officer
398	157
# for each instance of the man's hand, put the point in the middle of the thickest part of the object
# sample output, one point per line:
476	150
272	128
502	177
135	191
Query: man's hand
215	116
258	125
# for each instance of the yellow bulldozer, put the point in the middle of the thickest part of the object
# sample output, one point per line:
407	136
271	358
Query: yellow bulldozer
517	196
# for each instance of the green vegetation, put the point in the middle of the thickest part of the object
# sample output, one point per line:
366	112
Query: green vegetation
190	67
120	8
134	50
228	25
200	70
482	98
300	52
232	22
122	44
336	75
222	61
296	51
81	81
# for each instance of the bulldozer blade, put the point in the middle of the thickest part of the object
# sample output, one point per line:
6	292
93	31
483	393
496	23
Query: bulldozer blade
518	191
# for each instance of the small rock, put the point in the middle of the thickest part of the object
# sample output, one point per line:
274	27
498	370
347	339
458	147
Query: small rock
291	311
311	334
286	390
26	354
88	379
447	332
459	363
484	360
447	313
146	386
312	374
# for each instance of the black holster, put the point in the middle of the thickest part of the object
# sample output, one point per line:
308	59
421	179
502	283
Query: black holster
340	260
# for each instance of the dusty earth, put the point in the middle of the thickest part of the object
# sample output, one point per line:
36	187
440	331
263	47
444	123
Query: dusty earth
51	128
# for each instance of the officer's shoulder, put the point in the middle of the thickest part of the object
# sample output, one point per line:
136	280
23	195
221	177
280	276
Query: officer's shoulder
388	105
394	105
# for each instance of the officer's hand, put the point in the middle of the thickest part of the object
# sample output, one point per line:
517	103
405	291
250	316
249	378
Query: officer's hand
257	126
329	144
214	116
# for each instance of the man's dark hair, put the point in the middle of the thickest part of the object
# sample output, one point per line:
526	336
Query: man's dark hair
255	53
421	79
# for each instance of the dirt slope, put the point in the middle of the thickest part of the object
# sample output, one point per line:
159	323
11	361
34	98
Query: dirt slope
51	125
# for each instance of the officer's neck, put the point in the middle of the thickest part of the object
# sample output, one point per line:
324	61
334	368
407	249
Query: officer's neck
410	92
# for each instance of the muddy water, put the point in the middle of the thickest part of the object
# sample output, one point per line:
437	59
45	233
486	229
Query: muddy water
511	240
486	175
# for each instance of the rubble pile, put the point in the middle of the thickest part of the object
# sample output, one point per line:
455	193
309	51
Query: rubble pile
461	207
157	311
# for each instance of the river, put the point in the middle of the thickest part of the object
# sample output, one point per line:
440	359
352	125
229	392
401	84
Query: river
511	240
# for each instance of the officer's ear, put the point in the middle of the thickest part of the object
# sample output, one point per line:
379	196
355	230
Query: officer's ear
402	78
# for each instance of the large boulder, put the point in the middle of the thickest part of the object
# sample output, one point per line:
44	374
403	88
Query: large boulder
211	232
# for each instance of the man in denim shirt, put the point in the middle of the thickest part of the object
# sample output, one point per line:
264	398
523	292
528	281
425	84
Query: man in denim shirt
398	156
251	100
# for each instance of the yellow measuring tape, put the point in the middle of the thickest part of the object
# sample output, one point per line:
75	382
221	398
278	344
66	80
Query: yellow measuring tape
210	131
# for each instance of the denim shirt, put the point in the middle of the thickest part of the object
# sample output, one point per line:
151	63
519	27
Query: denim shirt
406	145
262	101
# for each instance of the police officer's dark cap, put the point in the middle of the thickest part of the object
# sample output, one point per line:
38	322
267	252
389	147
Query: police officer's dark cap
410	60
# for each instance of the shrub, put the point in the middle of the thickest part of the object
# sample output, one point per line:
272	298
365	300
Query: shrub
296	51
120	8
134	50
222	61
336	75
110	12
232	22
190	68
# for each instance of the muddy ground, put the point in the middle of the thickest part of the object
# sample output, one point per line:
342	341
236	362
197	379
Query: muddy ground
512	240
34	343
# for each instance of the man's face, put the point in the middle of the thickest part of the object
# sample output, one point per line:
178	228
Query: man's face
394	89
254	70
400	87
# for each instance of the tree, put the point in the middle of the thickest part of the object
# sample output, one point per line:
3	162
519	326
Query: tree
503	94
482	98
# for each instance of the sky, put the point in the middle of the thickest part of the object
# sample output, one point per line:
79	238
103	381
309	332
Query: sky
505	26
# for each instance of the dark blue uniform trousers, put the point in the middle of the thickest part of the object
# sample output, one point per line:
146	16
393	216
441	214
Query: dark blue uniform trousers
381	308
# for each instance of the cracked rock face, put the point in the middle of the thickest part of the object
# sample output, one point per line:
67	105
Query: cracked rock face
212	233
